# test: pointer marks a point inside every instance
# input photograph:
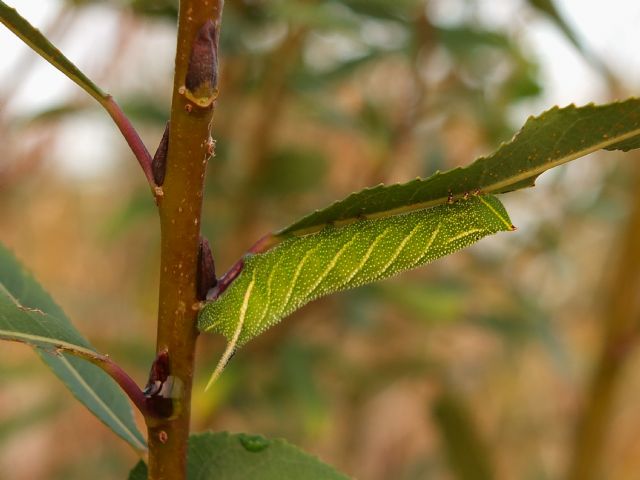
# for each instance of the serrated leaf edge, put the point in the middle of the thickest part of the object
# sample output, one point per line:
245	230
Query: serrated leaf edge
294	230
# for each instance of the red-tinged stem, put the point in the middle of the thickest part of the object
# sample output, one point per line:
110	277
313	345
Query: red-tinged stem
128	384
41	45
115	371
133	139
265	243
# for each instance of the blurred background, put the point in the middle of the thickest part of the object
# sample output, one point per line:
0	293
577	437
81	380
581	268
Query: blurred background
513	359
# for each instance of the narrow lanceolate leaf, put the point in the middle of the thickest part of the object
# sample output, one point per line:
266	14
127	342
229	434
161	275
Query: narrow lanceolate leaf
40	44
239	456
300	269
29	315
557	136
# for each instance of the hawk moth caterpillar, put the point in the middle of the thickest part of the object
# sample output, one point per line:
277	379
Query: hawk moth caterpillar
273	284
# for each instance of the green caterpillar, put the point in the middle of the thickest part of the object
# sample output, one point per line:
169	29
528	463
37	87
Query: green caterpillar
300	269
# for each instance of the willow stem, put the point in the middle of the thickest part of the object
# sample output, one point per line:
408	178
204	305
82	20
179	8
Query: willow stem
192	109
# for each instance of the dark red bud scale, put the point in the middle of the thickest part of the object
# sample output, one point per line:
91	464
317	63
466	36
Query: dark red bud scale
163	389
201	81
159	163
159	373
206	270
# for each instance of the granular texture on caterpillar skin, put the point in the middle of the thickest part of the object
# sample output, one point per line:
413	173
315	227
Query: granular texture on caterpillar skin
274	284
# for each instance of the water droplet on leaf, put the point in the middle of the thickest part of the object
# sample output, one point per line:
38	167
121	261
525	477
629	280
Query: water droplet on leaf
253	443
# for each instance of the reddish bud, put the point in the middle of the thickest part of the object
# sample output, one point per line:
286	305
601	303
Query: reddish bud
206	269
202	75
162	388
159	163
158	375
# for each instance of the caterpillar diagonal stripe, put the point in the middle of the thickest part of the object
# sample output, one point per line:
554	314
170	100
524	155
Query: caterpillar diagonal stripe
274	284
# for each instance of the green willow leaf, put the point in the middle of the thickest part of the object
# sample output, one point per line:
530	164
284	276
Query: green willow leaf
29	315
558	136
228	456
275	283
40	44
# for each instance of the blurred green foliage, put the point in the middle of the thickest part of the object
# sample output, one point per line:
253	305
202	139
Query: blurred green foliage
334	96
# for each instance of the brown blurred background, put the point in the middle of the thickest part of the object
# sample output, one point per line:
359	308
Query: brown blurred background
513	359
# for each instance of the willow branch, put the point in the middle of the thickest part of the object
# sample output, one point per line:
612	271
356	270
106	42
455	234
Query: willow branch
189	148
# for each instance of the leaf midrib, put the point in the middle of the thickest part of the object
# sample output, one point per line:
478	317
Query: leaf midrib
51	340
35	340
